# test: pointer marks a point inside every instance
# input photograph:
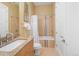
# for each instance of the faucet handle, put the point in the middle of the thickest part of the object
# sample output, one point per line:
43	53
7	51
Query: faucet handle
9	36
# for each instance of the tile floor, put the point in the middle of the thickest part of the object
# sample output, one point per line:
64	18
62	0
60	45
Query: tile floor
49	52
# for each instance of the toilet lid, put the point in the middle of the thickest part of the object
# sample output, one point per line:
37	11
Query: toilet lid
37	45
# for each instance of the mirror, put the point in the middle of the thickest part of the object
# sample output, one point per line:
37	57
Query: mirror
3	20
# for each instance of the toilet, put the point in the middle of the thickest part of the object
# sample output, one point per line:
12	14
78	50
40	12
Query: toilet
34	26
37	48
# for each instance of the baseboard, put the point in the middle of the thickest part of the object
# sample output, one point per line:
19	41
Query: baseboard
59	51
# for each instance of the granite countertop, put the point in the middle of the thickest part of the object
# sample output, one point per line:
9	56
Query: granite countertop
14	47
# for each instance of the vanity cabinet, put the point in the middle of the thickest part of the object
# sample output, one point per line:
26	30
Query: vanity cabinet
27	50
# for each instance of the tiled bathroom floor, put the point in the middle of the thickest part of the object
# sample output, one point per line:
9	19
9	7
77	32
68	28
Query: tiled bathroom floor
49	52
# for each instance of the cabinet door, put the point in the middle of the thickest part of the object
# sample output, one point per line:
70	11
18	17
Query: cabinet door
27	50
14	27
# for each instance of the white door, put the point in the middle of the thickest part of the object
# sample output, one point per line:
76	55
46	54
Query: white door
67	25
72	28
61	24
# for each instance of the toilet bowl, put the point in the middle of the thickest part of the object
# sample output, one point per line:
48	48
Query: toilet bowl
37	47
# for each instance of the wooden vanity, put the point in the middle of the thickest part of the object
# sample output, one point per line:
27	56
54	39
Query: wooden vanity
27	50
20	47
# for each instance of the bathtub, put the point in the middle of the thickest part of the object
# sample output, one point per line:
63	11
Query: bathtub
47	41
12	48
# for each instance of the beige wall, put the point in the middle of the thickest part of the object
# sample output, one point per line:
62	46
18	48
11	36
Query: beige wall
31	8
13	18
16	16
24	32
53	17
43	10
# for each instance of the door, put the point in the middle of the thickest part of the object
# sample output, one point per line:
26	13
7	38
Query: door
62	10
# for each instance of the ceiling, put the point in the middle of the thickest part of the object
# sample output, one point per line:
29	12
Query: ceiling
35	3
42	3
16	3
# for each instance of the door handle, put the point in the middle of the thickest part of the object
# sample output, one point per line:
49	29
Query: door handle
63	41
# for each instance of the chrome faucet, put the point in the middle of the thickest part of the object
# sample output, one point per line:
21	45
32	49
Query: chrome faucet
6	40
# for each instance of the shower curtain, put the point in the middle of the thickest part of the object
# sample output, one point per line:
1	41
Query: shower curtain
34	25
46	30
45	25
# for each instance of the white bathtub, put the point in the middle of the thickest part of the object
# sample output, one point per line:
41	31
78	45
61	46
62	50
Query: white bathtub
12	48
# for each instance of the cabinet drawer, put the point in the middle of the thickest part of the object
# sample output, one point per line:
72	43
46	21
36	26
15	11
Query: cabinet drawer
29	45
25	53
